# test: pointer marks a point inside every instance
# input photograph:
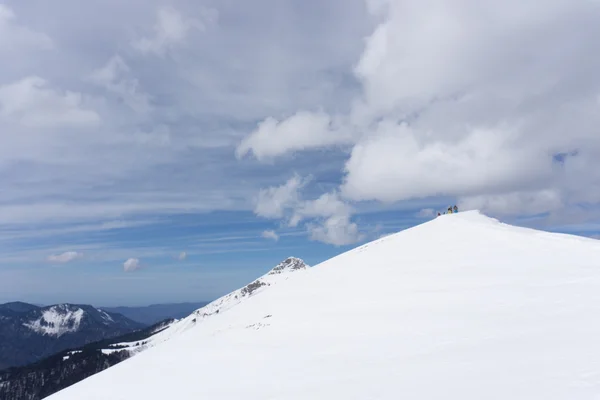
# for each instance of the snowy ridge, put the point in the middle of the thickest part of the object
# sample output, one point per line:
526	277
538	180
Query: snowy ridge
106	316
57	321
461	307
277	274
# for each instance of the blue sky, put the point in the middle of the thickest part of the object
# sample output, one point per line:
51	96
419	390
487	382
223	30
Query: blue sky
156	151
223	250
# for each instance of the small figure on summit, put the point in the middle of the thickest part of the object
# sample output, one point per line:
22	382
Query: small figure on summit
455	209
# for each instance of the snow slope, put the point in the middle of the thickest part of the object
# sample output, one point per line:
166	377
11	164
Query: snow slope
277	274
461	307
57	320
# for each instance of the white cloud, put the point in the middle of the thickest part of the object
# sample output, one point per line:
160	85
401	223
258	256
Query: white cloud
171	28
273	201
482	159
328	217
175	154
326	205
30	102
182	256
332	220
270	234
456	107
337	230
65	257
302	131
131	264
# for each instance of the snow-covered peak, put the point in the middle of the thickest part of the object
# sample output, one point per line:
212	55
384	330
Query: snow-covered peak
281	272
60	319
461	307
57	320
290	264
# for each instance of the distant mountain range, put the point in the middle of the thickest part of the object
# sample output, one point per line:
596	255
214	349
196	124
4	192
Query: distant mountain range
155	313
29	333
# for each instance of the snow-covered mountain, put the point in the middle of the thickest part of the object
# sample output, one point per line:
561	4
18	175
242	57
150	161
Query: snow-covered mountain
461	307
29	333
279	273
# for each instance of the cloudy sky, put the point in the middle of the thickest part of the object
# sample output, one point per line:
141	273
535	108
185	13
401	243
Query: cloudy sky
156	151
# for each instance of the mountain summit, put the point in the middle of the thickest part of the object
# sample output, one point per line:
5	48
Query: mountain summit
460	307
290	264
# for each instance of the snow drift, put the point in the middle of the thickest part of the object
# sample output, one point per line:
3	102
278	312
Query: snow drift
461	307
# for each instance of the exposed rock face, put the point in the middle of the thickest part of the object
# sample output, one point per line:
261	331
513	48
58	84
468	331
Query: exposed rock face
288	265
247	290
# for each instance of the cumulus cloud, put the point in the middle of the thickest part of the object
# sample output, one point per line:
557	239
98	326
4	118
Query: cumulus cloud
131	265
171	28
394	164
473	100
65	257
327	205
270	234
331	220
302	131
337	230
328	218
273	201
31	102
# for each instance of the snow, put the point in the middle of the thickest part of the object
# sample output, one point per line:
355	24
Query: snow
70	353
280	273
110	351
107	318
461	307
56	321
